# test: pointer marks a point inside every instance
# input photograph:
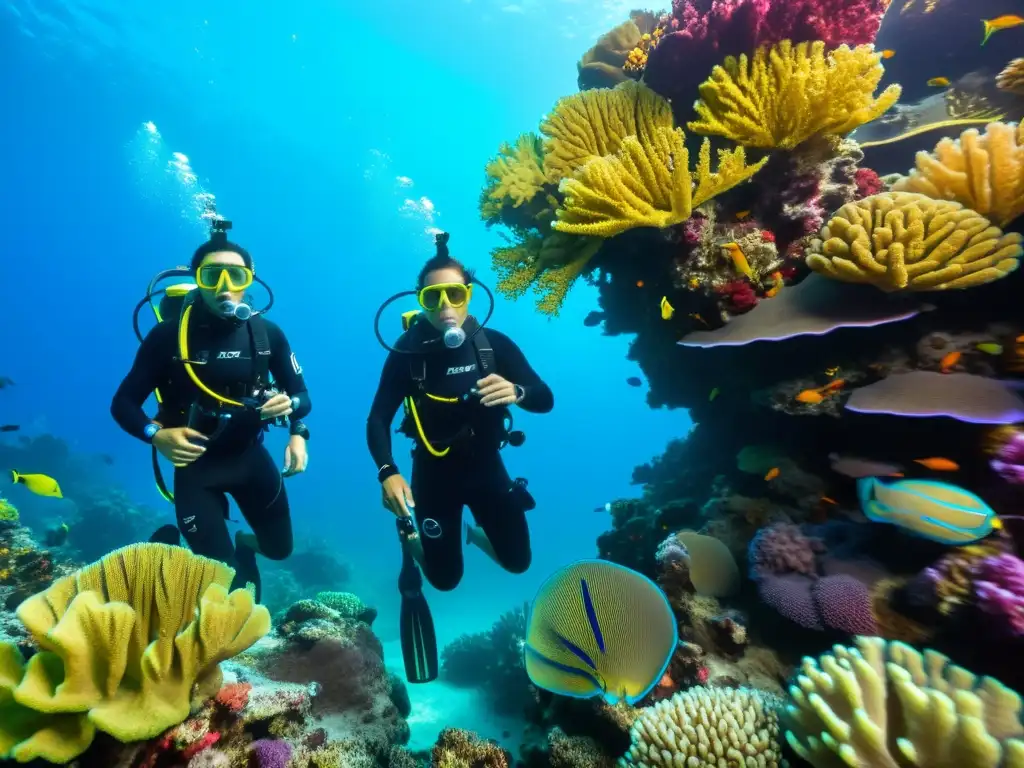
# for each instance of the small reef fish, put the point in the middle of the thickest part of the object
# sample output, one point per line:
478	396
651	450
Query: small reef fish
777	285
999	23
857	467
829	500
741	215
990	349
698	318
599	629
593	319
888	53
713	395
772	474
814	396
667	310
10	428
41	485
639	283
941	512
938	82
634	381
832	371
739	259
949	361
939	464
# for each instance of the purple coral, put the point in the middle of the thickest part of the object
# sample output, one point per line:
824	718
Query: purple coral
844	603
790	596
272	753
1009	459
999	589
671	551
783	548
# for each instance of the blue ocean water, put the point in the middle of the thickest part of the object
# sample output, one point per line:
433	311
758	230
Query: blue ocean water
336	136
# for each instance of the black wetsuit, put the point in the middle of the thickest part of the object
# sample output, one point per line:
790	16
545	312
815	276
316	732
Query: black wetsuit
472	474
235	462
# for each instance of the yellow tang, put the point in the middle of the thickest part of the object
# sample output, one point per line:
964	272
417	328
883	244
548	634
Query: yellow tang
41	485
933	510
599	629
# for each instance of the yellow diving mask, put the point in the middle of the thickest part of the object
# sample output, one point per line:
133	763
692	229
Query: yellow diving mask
455	295
223	277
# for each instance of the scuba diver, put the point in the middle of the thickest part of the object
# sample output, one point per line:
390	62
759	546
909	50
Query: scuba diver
457	382
210	360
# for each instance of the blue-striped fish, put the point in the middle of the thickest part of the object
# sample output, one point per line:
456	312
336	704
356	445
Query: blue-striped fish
933	510
599	629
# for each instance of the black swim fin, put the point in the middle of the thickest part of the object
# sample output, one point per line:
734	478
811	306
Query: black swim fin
419	642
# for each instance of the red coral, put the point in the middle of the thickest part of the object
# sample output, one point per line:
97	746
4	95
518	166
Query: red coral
868	183
234	696
767	236
739	296
204	743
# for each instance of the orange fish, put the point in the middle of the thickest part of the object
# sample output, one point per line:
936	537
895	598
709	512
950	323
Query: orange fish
1019	339
811	396
949	361
772	474
834	386
741	215
939	464
829	500
888	53
639	283
938	82
998	23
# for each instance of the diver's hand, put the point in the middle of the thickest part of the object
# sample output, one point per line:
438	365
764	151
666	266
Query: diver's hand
176	444
397	496
276	407
494	390
296	457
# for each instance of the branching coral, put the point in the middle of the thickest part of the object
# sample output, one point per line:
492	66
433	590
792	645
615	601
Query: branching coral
647	184
707	728
886	705
999	589
788	93
906	241
983	172
1011	79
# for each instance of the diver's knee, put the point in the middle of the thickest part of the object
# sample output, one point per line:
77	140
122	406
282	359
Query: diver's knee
276	550
517	562
444	581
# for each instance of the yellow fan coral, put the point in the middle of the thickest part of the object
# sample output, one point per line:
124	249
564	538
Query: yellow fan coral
789	93
123	642
550	264
906	241
885	705
1011	79
708	728
595	122
647	184
983	172
516	172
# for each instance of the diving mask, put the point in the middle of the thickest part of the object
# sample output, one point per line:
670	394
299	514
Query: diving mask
223	277
455	295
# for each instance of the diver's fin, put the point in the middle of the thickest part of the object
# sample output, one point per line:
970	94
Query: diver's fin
419	641
465	527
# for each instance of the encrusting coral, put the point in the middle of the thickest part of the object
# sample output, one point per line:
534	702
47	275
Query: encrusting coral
124	644
647	184
906	241
789	93
984	172
707	728
885	705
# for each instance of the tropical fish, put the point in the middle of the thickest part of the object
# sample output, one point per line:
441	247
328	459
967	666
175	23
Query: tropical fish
739	260
639	283
829	500
950	360
998	23
834	386
832	371
857	467
9	428
772	474
667	310
741	215
939	464
599	629
938	82
777	285
634	381
41	485
888	53
700	319
812	396
990	349
932	510
593	318
694	283
713	395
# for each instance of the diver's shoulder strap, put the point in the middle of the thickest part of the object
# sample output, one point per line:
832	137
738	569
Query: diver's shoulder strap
484	353
261	349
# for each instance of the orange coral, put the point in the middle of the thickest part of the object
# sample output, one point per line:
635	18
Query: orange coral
636	60
234	696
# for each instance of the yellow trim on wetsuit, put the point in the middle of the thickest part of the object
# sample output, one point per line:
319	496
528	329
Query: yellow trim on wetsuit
407	320
183	353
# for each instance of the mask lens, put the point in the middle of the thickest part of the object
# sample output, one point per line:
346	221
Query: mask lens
457	295
430	297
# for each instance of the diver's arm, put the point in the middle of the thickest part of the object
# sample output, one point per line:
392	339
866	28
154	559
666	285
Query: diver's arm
287	371
148	372
512	366
390	392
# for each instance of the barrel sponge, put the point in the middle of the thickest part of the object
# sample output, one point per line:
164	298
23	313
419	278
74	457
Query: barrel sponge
123	643
907	241
707	728
885	705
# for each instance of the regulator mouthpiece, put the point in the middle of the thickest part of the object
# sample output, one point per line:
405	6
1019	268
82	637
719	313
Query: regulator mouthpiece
231	310
454	336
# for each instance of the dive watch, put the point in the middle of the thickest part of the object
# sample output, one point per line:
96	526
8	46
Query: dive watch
150	430
300	429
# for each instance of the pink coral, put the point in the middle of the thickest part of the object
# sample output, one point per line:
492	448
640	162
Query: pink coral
739	296
1009	459
868	183
999	589
271	753
783	548
234	696
706	31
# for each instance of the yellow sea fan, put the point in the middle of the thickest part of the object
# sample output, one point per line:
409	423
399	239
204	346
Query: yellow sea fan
516	172
906	241
550	265
595	122
647	184
983	172
789	93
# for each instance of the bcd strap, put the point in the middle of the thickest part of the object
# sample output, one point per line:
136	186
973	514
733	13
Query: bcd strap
484	358
260	340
